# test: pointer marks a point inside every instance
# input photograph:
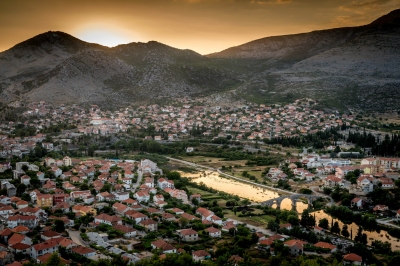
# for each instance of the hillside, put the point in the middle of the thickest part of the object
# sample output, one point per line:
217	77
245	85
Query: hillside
345	67
354	67
59	68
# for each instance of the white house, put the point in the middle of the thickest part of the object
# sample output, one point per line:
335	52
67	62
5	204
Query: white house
142	196
121	196
213	232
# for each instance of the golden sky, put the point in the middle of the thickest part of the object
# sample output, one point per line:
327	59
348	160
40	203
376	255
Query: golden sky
204	26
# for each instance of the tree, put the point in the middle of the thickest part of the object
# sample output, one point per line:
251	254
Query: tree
174	175
59	226
26	197
294	220
335	228
304	218
345	231
272	225
324	223
21	189
360	237
54	260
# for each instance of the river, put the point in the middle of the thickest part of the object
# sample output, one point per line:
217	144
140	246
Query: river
256	194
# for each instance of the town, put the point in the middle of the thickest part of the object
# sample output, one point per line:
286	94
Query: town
71	193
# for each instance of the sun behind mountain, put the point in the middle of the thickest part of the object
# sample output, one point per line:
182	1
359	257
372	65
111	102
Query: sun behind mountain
104	36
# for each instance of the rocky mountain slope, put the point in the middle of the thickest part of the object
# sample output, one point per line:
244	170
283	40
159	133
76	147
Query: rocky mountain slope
355	67
59	68
346	67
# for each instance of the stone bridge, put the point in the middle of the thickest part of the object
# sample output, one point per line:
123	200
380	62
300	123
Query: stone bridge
293	198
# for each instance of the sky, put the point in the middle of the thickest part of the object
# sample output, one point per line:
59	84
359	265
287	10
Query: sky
205	26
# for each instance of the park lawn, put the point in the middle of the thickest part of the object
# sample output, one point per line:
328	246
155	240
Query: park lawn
199	191
212	161
253	220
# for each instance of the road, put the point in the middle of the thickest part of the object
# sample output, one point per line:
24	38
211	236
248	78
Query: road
134	186
387	222
252	227
75	236
331	201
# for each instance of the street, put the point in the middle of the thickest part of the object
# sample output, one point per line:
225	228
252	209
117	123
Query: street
75	236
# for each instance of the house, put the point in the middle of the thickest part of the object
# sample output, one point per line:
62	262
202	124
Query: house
164	183
120	208
235	260
319	230
188	235
128	231
332	181
79	194
84	210
326	245
149	182
5	200
41	249
138	217
44	200
30	221
121	196
195	196
213	232
19	238
61	206
11	190
352	259
380	208
158	198
47	235
177	211
67	185
387	183
142	196
56	171
60	198
295	246
20	248
129	202
200	255
21	230
21	204
25	180
84	251
205	213
357	203
164	246
107	219
67	161
49	186
168	217
215	219
6	257
149	224
288	226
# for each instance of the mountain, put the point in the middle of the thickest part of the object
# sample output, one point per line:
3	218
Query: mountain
59	68
353	67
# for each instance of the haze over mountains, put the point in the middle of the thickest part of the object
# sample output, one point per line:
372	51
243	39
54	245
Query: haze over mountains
356	67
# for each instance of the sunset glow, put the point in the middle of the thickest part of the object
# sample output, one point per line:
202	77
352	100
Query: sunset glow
205	26
103	36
